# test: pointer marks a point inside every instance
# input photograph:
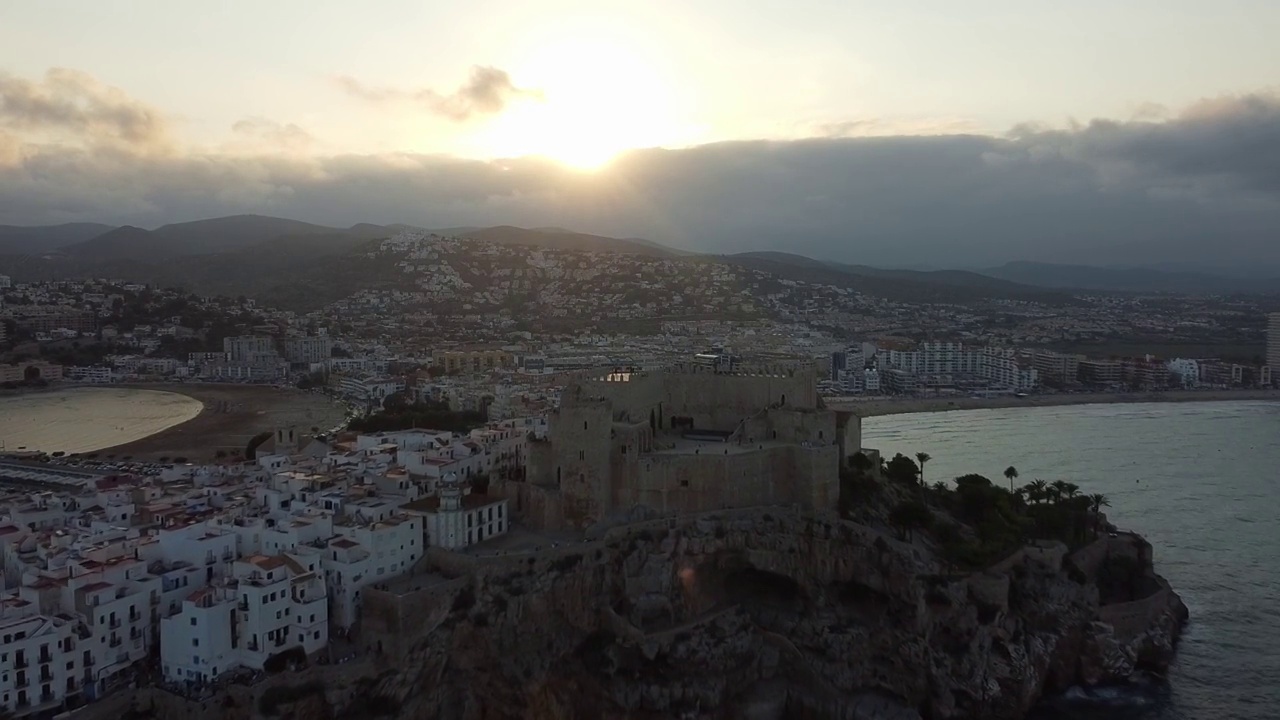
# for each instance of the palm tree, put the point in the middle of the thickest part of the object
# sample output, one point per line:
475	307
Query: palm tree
922	458
1038	491
1011	474
1097	501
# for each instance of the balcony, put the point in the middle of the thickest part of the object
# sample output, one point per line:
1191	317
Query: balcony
20	662
243	606
22	681
46	676
46	698
253	647
134	633
114	623
45	657
87	662
115	641
135	617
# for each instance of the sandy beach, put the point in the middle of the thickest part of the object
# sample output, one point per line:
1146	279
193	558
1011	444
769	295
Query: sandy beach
232	415
872	407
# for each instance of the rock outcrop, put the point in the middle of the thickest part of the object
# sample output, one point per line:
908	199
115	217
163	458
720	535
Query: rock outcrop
753	614
762	614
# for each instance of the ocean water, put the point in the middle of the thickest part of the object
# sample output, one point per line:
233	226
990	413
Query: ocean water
79	420
1201	481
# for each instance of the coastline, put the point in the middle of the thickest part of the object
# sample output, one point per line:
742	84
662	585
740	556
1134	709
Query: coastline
230	416
890	406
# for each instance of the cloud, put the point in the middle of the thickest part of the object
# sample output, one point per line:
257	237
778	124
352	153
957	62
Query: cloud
884	127
1201	187
263	133
70	103
486	92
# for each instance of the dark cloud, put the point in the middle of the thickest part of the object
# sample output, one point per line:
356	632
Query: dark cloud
73	102
1199	188
486	92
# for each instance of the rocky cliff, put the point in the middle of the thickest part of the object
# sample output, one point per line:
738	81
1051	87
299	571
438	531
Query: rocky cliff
762	614
755	614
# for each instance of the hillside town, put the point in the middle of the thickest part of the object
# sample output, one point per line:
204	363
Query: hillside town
192	575
475	324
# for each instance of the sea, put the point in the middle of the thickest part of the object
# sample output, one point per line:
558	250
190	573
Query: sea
79	420
1200	480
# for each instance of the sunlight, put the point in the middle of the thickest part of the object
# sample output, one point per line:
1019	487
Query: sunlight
597	101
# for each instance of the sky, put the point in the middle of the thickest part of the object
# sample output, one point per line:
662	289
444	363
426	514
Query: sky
919	132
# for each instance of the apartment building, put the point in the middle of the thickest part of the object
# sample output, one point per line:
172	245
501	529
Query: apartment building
1005	368
274	604
39	668
1056	367
472	361
242	349
308	349
1273	340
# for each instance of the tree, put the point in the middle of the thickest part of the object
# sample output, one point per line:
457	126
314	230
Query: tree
860	463
1097	501
922	458
1011	474
902	469
1038	491
910	515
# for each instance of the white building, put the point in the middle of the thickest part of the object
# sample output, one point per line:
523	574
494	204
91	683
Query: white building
275	604
40	666
1187	370
243	348
308	349
1004	368
368	553
455	519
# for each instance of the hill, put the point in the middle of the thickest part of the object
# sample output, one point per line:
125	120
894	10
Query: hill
1109	279
553	239
906	285
209	237
39	239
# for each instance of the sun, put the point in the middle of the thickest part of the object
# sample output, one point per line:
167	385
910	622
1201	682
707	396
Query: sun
595	101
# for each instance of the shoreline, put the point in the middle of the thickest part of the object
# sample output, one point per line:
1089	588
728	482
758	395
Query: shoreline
878	407
230	415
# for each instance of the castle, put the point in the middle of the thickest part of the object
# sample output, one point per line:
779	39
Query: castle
707	434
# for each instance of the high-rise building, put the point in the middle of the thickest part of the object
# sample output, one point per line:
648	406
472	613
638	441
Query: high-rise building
1273	340
308	349
241	349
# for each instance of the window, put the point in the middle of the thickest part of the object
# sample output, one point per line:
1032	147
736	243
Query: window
195	642
684	483
316	635
313	617
193	622
582	454
264	599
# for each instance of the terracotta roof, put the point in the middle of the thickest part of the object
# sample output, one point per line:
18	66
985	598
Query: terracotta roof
94	587
267	562
344	543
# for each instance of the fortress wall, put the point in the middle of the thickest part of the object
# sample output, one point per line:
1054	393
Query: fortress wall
388	617
720	402
683	483
637	396
817	427
849	434
535	506
580	442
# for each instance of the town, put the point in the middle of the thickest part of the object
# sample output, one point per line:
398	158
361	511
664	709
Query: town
193	572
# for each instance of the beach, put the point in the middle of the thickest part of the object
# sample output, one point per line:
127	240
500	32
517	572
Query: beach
231	416
872	407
